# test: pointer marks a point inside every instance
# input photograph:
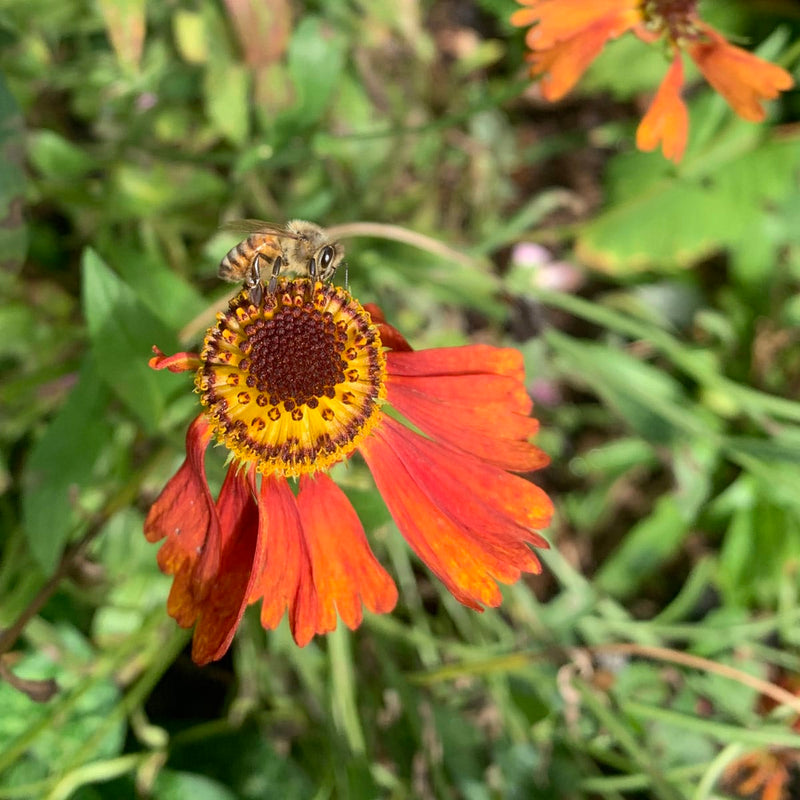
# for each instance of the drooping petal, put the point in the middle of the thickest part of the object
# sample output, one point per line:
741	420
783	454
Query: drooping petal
316	560
743	79
470	522
563	64
559	20
667	119
285	580
179	362
184	514
240	549
346	573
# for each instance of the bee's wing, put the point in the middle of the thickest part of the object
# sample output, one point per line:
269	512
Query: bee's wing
249	226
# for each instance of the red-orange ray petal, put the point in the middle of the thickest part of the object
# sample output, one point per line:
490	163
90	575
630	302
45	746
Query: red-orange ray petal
476	359
185	515
475	390
179	362
559	20
743	79
563	64
474	492
468	542
346	573
285	579
667	119
491	430
241	546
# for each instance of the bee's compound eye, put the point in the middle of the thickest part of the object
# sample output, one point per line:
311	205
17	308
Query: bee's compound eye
325	257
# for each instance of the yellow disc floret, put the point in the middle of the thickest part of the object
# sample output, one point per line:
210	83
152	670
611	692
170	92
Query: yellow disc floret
295	382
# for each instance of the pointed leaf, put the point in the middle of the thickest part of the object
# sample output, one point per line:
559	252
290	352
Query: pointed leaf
667	220
61	465
122	333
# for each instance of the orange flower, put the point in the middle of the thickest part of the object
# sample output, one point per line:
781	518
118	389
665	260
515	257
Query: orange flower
567	35
744	80
298	382
769	771
667	120
766	771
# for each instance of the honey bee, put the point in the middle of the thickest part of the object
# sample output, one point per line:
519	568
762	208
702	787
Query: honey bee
300	247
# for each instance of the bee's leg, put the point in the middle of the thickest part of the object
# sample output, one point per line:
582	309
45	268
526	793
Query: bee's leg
256	293
312	269
277	265
255	290
346	277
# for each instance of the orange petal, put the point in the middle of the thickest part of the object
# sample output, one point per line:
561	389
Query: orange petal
563	64
184	514
468	521
523	17
446	409
285	578
559	20
470	390
222	608
346	573
743	79
777	785
476	359
667	120
179	362
317	560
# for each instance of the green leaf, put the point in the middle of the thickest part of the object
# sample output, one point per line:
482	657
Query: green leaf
57	158
227	97
122	332
649	400
172	785
644	549
661	219
168	295
160	189
82	707
244	760
62	465
316	61
191	38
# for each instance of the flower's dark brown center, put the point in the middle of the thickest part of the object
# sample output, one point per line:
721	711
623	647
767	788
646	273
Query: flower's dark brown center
295	382
290	339
676	18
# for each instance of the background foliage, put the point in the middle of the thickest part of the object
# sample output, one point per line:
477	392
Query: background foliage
658	312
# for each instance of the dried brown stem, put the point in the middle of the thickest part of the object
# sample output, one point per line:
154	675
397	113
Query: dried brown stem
379	230
772	690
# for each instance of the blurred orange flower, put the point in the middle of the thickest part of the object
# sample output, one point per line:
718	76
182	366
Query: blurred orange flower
667	119
770	773
567	35
296	380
